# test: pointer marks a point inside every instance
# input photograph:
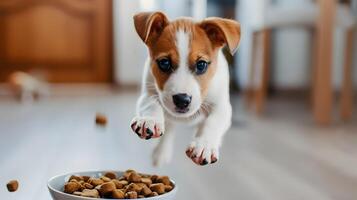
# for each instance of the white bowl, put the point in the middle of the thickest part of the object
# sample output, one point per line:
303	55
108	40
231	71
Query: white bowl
55	186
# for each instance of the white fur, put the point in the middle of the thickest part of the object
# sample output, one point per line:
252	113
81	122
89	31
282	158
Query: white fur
181	80
211	127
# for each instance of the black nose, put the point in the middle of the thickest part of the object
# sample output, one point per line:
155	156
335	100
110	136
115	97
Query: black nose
181	100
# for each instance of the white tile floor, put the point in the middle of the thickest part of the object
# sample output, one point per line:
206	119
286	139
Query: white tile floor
280	156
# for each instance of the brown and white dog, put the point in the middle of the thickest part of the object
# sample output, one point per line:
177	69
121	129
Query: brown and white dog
186	79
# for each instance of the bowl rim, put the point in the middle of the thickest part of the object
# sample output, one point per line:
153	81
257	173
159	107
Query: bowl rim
99	171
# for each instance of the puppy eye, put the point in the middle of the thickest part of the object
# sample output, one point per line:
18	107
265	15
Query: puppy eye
201	67
164	65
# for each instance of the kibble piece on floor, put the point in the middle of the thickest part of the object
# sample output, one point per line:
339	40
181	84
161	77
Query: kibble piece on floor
12	185
158	187
131	195
118	194
101	119
71	187
111	175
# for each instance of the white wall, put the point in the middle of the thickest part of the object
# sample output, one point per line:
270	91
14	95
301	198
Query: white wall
130	52
291	62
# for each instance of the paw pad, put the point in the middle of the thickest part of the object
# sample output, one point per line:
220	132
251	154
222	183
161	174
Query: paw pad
202	153
147	128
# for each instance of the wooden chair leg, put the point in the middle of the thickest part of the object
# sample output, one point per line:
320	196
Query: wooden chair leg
347	88
323	90
261	92
249	93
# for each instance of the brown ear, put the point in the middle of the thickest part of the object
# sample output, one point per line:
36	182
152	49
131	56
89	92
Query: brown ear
222	31
149	25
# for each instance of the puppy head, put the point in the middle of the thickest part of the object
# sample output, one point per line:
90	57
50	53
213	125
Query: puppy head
184	56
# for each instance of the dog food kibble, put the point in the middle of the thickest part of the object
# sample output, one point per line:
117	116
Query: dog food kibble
134	177
88	186
110	175
141	185
71	187
131	195
131	185
105	179
124	182
86	178
168	188
147	181
153	194
164	179
90	193
12	185
118	184
145	191
77	178
118	194
107	188
101	119
158	187
95	181
154	178
77	193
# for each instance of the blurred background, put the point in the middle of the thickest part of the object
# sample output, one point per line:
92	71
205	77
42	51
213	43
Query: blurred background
293	79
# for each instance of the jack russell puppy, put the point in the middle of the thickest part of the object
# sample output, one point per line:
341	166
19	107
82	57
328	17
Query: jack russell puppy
185	79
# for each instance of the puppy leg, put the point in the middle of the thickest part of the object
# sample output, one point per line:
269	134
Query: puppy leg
162	153
26	95
204	149
149	122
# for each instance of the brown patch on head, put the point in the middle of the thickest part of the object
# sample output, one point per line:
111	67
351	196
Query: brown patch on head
166	47
206	38
200	48
222	31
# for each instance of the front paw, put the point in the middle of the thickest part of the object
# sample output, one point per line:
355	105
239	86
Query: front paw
202	152
147	127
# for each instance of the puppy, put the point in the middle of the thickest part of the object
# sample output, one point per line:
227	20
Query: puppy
185	79
27	87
